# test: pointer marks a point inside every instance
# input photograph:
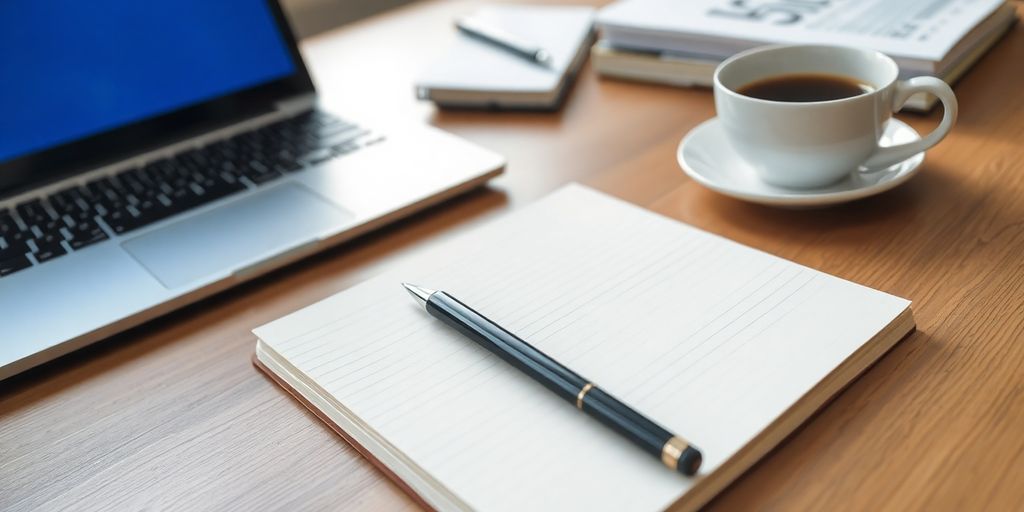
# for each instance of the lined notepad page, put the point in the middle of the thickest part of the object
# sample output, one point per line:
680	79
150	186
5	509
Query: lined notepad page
707	337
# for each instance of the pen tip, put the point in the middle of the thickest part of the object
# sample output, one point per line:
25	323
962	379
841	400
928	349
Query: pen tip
421	294
543	57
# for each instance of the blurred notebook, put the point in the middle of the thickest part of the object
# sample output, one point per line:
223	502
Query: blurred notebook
476	74
725	345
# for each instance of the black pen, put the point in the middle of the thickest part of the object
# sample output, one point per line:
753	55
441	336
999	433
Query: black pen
674	451
493	35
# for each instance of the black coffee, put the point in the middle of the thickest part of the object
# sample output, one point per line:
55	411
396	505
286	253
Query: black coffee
804	87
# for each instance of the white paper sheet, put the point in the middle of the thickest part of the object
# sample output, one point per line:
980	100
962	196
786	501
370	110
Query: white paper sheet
711	339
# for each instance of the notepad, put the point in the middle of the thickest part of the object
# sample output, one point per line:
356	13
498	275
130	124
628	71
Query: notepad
477	74
727	346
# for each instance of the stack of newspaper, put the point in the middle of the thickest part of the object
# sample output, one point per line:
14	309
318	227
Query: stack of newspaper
681	42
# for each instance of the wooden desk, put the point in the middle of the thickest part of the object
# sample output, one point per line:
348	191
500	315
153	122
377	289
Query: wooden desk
173	414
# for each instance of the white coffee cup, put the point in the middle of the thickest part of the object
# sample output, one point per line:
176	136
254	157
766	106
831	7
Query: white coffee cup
813	144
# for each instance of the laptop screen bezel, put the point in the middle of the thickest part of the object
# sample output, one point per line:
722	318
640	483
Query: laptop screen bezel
58	162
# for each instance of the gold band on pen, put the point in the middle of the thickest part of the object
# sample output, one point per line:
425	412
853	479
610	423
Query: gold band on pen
672	450
583	392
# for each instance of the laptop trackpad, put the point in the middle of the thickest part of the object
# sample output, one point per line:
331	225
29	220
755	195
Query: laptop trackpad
236	234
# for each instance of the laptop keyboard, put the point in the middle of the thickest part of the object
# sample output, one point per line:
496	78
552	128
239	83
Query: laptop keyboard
39	230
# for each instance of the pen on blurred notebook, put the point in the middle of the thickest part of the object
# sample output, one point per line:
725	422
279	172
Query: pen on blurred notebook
502	39
674	451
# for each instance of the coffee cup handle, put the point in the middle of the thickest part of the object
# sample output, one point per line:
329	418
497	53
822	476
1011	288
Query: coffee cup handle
886	157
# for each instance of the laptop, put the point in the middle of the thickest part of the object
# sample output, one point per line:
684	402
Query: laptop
154	153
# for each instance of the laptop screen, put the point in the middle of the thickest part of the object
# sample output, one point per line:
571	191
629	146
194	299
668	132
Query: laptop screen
70	69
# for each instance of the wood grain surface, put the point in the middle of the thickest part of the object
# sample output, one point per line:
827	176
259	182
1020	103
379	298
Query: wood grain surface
173	415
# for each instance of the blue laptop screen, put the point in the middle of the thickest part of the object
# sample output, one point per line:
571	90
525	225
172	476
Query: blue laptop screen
72	68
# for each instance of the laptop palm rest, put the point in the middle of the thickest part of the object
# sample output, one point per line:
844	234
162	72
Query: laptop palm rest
235	235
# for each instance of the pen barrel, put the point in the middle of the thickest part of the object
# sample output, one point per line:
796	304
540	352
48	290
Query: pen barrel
673	451
497	37
563	381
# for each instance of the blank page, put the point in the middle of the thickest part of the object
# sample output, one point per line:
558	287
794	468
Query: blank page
709	338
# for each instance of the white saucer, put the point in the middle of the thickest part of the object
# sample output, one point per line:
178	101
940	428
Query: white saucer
706	156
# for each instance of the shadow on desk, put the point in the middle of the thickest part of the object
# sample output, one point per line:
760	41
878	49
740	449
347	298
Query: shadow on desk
864	219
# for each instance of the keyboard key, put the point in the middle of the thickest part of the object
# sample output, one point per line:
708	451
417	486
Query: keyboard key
10	251
13	264
63	202
17	241
77	218
222	189
50	226
7	223
33	212
121	221
262	177
71	200
84	238
99	190
289	166
318	156
48	251
136	186
50	239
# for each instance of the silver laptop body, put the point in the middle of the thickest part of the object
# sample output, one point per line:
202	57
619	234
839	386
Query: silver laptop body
88	279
